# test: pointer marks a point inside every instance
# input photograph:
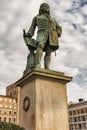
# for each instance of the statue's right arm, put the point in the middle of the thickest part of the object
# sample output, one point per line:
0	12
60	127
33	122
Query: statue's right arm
25	34
32	27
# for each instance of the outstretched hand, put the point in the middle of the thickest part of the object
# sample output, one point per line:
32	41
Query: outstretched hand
26	34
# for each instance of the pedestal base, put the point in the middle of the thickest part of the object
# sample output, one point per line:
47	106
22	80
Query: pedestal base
43	101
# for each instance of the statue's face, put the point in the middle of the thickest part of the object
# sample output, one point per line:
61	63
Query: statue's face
44	9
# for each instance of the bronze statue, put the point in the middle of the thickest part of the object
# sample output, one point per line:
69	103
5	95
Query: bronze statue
47	36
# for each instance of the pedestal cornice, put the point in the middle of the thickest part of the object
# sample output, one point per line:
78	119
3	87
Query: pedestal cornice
39	72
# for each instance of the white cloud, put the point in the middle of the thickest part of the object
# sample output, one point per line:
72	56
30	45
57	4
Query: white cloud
74	92
17	15
84	10
3	27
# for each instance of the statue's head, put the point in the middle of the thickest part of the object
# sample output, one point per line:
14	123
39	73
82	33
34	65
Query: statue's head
44	9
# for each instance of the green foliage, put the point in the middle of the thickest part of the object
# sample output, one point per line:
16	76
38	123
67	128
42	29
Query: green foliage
9	126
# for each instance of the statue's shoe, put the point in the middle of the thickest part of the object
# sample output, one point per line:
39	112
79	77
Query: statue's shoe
37	66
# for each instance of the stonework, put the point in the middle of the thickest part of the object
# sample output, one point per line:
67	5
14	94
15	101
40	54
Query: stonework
43	92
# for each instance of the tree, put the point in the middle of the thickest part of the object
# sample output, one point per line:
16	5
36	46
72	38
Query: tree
10	126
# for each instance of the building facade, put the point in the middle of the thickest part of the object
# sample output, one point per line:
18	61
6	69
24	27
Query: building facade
78	115
8	109
14	92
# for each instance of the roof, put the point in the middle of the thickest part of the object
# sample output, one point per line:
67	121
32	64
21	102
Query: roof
72	104
7	96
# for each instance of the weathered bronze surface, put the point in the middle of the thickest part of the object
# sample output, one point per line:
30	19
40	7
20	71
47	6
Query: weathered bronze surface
47	37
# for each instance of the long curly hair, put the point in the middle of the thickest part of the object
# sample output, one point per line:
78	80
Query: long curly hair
43	10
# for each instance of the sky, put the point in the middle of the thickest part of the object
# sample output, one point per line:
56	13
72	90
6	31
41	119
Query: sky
71	57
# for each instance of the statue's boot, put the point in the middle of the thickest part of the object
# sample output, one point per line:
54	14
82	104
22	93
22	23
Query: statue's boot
32	60
47	60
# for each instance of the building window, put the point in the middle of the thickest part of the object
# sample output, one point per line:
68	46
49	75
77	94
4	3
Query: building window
86	117
10	112
70	120
82	111
14	101
0	99
79	126
5	100
5	112
74	112
10	100
6	106
10	95
9	119
5	119
70	113
78	111
71	127
83	118
79	118
14	119
74	119
14	107
0	119
84	125
75	126
14	113
0	105
10	106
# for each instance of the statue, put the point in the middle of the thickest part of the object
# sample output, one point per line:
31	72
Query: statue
47	37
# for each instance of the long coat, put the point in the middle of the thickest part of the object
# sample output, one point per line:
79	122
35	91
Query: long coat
48	31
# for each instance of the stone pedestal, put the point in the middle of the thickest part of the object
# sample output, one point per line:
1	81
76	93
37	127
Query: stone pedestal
43	100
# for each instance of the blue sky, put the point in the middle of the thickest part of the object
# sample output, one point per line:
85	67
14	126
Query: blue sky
71	58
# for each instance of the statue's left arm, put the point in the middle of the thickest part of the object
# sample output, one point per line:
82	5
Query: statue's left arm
59	29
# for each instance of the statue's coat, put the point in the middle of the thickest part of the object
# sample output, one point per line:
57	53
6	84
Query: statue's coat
48	31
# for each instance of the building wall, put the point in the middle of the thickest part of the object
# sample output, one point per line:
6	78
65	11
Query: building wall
12	91
78	116
8	109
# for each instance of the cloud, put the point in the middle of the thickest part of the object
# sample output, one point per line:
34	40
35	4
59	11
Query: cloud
15	15
75	92
4	29
81	77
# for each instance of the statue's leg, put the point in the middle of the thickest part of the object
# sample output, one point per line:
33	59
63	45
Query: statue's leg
39	53
47	60
27	64
32	58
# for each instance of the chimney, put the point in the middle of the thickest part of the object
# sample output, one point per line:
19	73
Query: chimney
81	99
